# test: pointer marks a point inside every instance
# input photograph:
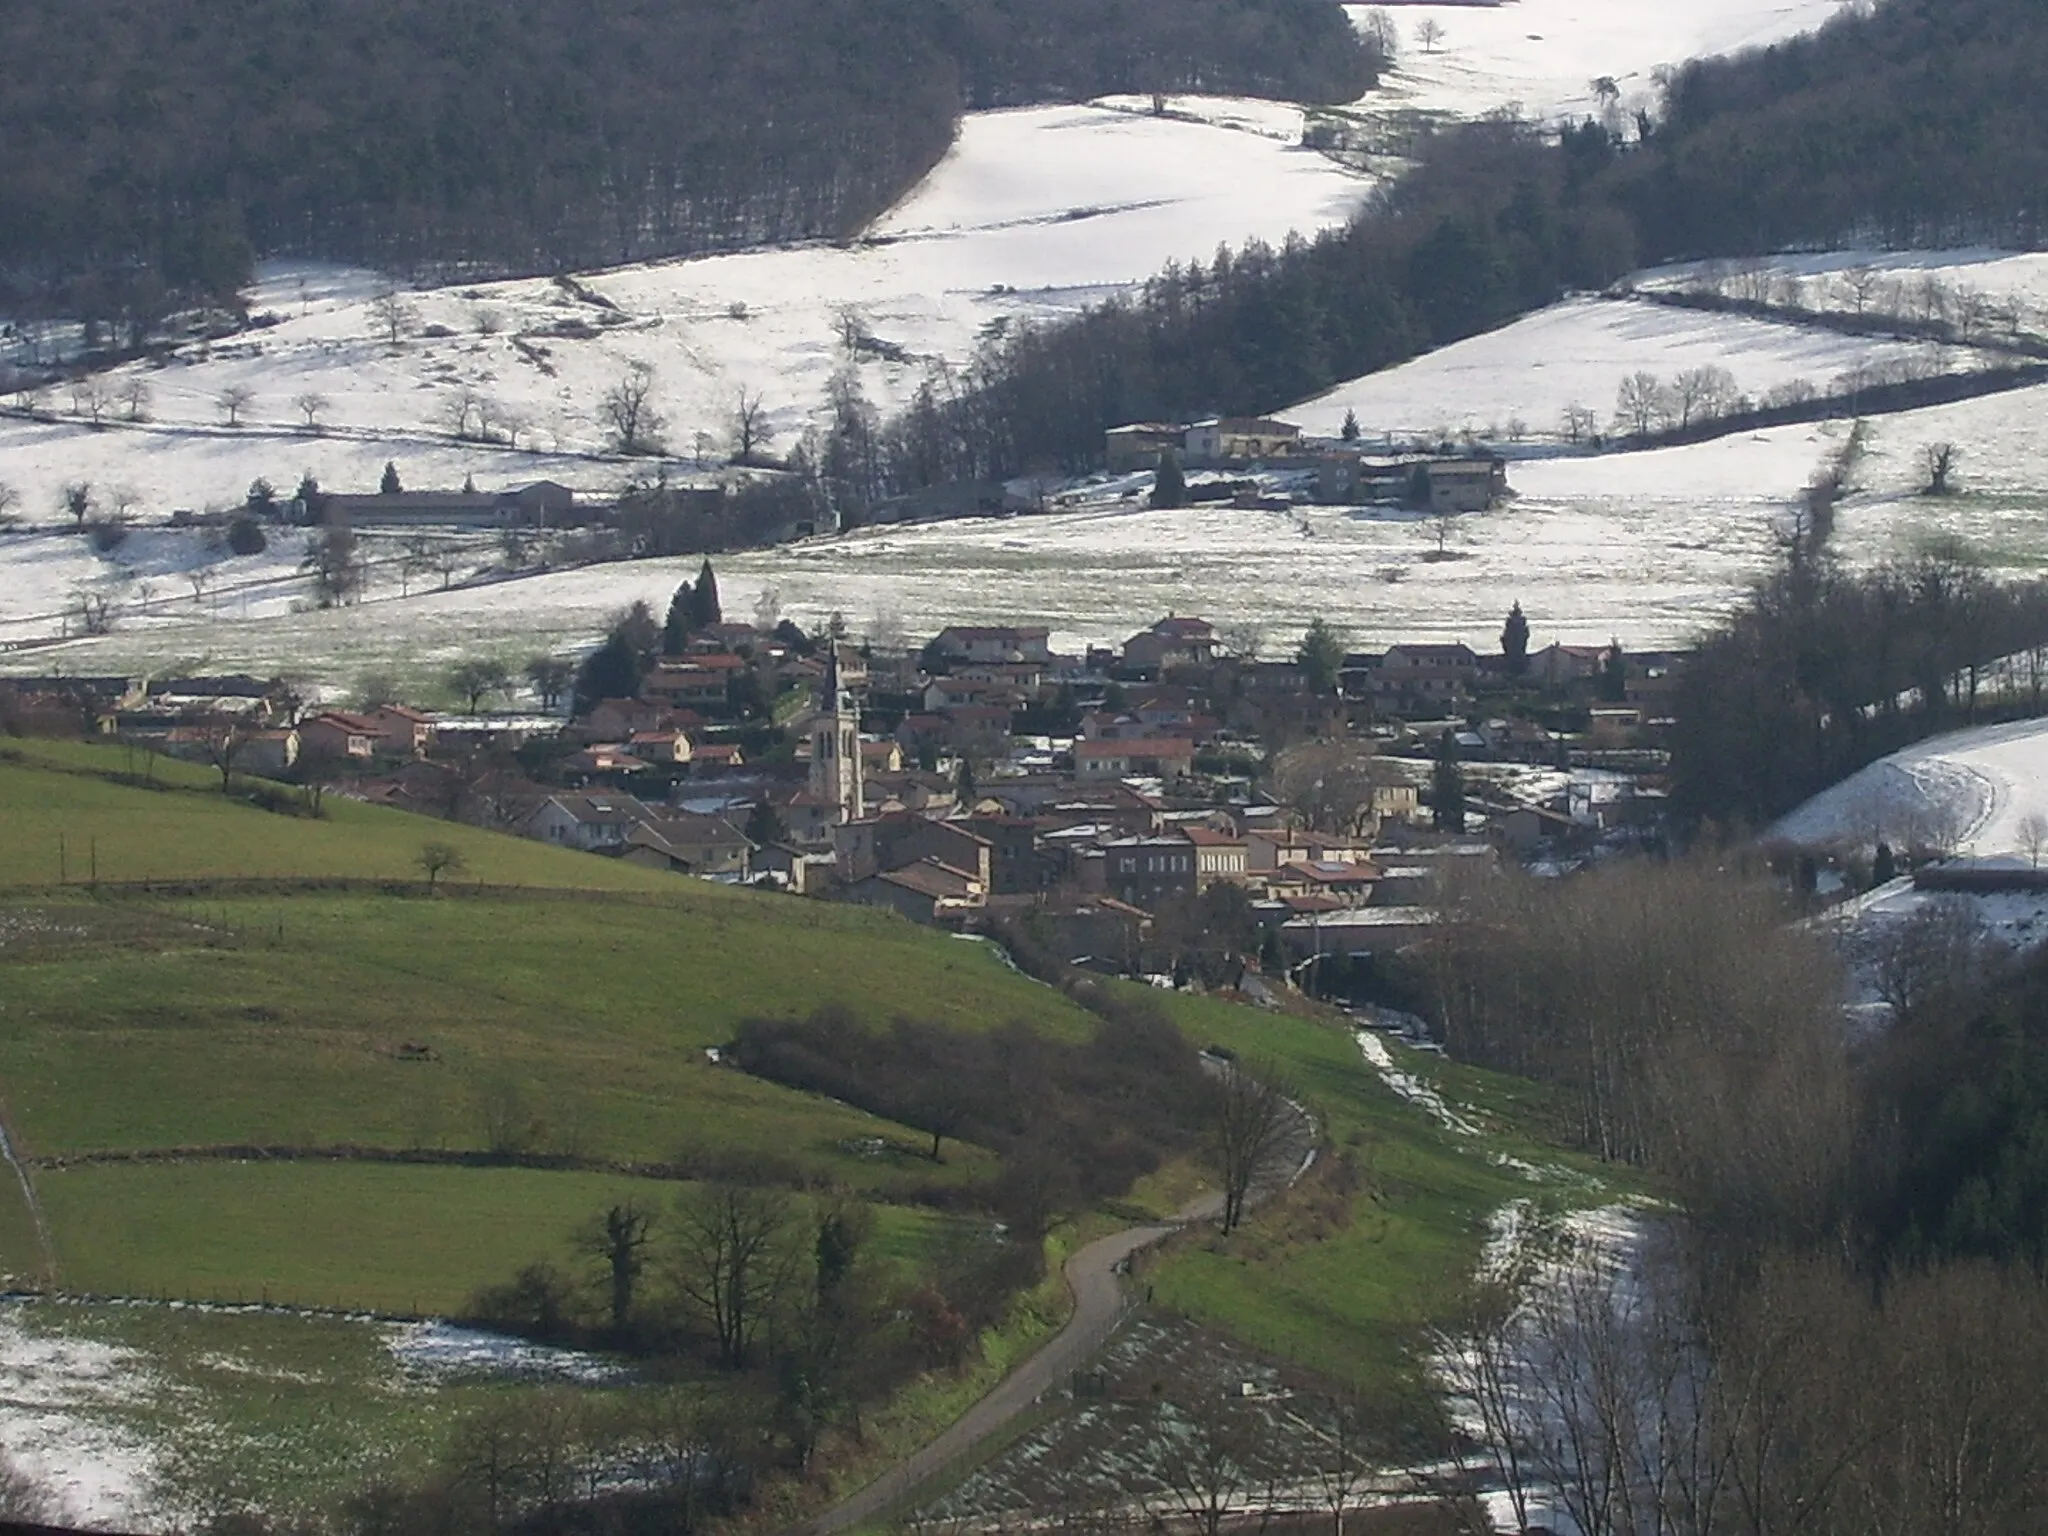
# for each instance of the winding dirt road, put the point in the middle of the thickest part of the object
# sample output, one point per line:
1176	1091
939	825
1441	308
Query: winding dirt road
1099	1304
1091	1275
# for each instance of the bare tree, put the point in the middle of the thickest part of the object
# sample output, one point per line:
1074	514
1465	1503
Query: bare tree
310	405
1243	637
76	500
732	1262
550	677
478	676
392	316
1937	948
1579	423
1480	1355
1700	394
1863	284
136	394
224	742
10	499
1249	1133
2034	838
437	859
335	565
750	428
95	611
1327	784
232	401
1940	461
628	412
1429	32
1640	403
1380	33
90	397
1214	1461
1341	1445
462	408
618	1240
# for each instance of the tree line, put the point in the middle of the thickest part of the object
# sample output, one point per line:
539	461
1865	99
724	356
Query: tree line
1074	1122
155	148
1909	122
1840	1326
1824	669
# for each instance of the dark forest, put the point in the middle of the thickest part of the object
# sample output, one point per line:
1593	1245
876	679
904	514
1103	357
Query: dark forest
155	146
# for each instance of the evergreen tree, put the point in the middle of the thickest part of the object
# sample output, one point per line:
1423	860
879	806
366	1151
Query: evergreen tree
640	634
312	501
1321	657
675	633
1614	674
1350	432
764	826
704	609
1447	786
469	484
1884	868
1514	642
964	786
612	671
1169	484
389	485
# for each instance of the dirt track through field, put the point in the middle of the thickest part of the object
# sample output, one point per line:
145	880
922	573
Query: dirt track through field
1092	1275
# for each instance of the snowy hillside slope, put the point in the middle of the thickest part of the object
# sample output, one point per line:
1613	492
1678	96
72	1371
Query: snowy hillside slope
1829	280
1032	213
1541	57
1974	789
1577	353
1644	547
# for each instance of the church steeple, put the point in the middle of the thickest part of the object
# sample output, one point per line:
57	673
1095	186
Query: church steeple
836	768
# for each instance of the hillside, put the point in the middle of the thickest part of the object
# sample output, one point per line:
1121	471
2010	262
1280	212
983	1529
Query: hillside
549	1007
1855	134
156	147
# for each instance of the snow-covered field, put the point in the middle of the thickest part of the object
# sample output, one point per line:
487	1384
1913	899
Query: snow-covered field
1863	280
1032	213
1644	547
1517	382
1542	56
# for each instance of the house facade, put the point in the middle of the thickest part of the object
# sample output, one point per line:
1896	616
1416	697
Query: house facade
1240	440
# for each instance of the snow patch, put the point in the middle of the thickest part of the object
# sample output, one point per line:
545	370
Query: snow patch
440	1349
61	1405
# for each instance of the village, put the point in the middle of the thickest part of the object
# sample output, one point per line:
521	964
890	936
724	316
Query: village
1156	804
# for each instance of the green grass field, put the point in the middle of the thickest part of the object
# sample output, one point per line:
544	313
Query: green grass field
566	1009
243	1232
67	818
1348	1285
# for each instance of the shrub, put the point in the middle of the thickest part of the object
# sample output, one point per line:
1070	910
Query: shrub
246	537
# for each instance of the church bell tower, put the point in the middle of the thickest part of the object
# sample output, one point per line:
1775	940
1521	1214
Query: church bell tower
836	774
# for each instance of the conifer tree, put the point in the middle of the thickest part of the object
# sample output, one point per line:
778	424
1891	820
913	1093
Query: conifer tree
675	632
389	485
704	609
764	826
1169	484
612	671
1514	642
1350	431
1614	674
1447	786
1321	657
